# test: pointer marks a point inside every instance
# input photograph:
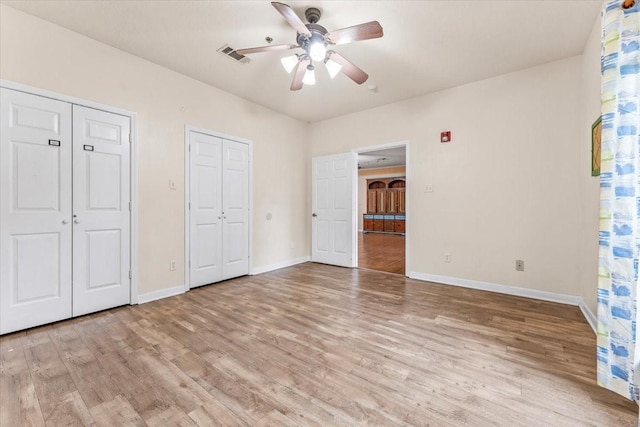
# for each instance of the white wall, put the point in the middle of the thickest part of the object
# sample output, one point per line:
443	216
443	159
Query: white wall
513	184
37	53
589	186
505	188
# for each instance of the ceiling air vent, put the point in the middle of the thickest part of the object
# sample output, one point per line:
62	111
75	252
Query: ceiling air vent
231	53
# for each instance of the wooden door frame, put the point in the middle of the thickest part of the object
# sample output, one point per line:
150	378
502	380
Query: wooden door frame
187	193
407	235
133	166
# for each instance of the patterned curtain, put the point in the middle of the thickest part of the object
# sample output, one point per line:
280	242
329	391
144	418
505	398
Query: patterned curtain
618	350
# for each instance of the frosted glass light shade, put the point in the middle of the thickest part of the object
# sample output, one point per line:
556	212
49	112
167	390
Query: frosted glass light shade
309	76
289	62
333	68
317	51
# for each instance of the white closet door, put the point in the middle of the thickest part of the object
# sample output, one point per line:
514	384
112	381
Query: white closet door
235	206
35	210
101	217
205	234
333	206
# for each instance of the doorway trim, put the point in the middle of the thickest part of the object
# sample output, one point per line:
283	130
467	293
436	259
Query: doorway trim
408	230
187	193
133	167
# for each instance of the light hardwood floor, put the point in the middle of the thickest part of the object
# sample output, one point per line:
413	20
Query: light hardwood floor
381	252
313	345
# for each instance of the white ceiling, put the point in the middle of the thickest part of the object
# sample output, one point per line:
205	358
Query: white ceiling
427	45
382	158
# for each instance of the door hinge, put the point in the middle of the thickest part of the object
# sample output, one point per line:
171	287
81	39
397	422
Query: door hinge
130	275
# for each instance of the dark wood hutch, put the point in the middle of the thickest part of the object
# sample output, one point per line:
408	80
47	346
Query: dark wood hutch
385	205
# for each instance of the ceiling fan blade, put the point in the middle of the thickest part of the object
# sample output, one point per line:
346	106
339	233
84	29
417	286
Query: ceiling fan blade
349	69
366	31
301	68
251	50
291	18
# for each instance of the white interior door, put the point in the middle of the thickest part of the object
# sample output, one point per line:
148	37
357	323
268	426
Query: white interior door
205	229
101	216
35	210
235	202
333	207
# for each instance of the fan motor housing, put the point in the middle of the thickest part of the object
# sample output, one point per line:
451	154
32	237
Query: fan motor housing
318	33
313	15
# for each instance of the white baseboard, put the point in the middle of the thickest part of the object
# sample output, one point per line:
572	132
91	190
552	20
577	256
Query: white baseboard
162	293
511	290
503	289
588	314
279	265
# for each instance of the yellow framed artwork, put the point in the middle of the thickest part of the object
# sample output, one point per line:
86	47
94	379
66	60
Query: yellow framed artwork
596	144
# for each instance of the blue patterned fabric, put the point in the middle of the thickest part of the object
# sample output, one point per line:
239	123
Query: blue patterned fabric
618	353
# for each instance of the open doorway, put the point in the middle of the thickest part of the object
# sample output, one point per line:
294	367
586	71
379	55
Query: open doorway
382	208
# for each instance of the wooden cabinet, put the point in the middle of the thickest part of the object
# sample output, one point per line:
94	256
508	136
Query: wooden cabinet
381	201
392	202
389	221
386	196
371	201
378	223
402	198
367	224
384	223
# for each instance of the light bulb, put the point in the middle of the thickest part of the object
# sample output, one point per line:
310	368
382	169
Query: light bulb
333	68
309	76
289	62
317	51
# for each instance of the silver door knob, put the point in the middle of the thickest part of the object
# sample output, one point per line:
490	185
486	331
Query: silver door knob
64	221
76	221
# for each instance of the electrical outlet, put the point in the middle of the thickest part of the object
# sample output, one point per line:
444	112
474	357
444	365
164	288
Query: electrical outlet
519	265
447	257
172	265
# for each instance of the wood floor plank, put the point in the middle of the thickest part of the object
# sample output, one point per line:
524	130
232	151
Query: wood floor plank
313	345
141	393
12	358
19	401
90	379
171	417
214	413
116	412
381	252
69	410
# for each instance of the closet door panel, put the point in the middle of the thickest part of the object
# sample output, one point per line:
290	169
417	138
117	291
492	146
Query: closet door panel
101	216
205	234
235	200
35	210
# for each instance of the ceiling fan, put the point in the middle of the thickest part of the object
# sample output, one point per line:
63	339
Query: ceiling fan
314	40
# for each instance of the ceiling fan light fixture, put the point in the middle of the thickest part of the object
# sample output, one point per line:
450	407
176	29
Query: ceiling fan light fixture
332	67
289	62
309	76
317	51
